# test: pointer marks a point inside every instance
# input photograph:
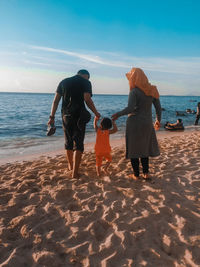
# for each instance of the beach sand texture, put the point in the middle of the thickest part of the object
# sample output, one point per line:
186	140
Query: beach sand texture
50	219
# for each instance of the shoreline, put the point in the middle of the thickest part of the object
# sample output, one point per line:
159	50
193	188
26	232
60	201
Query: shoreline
89	146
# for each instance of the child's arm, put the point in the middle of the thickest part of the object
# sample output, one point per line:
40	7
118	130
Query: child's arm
114	129
95	123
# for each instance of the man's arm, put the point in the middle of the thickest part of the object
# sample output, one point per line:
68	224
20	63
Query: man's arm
95	123
54	108
90	104
114	129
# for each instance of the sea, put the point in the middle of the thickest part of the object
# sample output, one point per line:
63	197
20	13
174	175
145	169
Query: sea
24	117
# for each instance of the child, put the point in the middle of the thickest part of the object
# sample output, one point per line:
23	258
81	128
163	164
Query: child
102	146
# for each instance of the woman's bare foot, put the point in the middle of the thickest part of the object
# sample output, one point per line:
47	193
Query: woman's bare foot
134	177
146	176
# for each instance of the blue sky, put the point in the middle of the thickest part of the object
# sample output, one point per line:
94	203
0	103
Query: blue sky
44	41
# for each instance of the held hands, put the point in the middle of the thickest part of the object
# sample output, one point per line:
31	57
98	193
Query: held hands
96	118
157	125
97	115
114	117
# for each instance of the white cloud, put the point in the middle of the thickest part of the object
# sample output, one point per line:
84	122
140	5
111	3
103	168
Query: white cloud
46	66
181	65
36	63
87	57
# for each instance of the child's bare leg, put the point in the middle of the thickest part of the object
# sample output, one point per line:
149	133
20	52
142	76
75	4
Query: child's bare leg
98	169
106	167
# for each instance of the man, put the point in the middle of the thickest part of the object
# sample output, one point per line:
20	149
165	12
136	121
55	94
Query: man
75	92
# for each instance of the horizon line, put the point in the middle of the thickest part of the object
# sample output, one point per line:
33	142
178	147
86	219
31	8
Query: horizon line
25	92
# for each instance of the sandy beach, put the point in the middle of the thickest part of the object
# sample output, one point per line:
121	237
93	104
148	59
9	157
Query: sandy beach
49	219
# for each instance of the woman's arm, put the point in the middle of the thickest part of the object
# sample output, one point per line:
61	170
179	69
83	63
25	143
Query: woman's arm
131	108
156	103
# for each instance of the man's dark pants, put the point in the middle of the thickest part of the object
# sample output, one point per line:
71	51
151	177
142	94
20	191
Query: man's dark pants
74	135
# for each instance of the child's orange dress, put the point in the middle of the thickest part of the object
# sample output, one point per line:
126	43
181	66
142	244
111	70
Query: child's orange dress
102	146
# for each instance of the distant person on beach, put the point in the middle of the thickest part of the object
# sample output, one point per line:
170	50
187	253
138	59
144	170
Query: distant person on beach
141	141
75	92
189	111
197	114
102	145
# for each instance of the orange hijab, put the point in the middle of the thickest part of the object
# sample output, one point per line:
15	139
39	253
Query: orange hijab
138	79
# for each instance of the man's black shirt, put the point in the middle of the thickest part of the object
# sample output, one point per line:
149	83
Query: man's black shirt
72	91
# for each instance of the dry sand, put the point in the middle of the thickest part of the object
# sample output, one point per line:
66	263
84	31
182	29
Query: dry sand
50	219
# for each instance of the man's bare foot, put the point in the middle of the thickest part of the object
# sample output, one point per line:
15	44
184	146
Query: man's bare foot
75	175
134	177
68	172
70	168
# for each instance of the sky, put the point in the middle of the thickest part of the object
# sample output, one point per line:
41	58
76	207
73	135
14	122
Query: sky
45	41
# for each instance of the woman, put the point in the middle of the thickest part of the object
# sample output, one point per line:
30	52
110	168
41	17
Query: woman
141	141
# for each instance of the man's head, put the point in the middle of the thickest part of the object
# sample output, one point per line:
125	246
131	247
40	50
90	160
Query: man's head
179	120
84	73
